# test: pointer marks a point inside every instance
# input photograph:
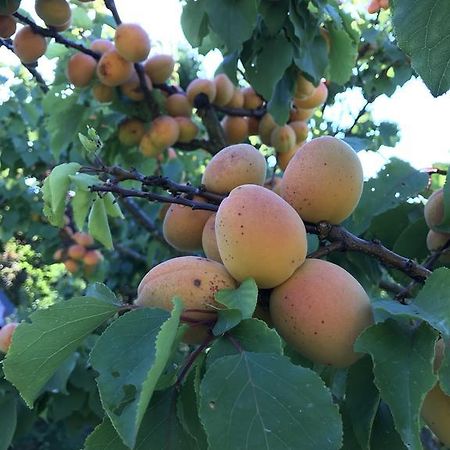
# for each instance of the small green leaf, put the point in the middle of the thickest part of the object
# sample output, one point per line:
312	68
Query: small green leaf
81	203
280	103
112	207
8	420
98	225
257	400
40	347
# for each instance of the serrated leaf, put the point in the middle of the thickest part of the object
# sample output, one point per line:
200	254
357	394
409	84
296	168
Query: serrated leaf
8	420
403	371
393	185
98	224
422	30
240	304
40	347
256	400
102	292
130	356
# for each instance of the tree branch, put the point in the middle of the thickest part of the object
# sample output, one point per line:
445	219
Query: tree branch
258	113
132	254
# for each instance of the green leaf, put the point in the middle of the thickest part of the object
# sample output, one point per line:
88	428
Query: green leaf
252	335
240	304
58	382
104	435
444	371
261	72
232	20
228	66
280	103
8	420
81	203
101	292
112	207
256	400
384	436
422	30
393	185
98	225
403	371
274	14
362	399
194	22
130	356
40	347
412	242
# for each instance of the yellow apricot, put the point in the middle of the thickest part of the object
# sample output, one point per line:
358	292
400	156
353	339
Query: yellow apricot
178	105
164	131
131	131
188	129
324	180
266	126
251	99
259	235
237	100
132	42
434	209
113	69
53	12
233	166
299	114
159	68
132	87
28	45
201	86
9	7
6	335
7	26
224	89
195	280
209	241
284	158
282	138
300	129
235	129
317	98
303	88
148	148
102	93
183	226
101	45
81	69
320	311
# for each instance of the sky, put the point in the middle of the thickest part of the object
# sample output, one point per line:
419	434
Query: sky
422	119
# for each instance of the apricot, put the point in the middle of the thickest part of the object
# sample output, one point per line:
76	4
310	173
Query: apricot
303	88
251	99
266	126
113	69
28	45
259	235
253	126
76	251
7	26
299	114
6	335
71	265
164	131
172	153
132	87
195	280
131	131
58	255
320	311
159	68
235	129
188	129
63	27
436	241
102	93
183	226
300	129
323	181
53	12
201	86
148	148
178	105
101	46
282	138
9	7
209	241
237	100
163	210
224	89
81	69
434	209
318	97
83	239
274	184
92	258
284	158
233	166
132	42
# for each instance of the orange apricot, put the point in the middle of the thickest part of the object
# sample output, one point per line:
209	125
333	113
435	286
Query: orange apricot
113	69
224	89
7	26
159	68
282	138
81	69
178	105
53	12
188	129
235	129
131	131
251	99
266	126
317	98
209	241
102	93
237	100
101	45
132	42
201	86
434	209
28	45
132	87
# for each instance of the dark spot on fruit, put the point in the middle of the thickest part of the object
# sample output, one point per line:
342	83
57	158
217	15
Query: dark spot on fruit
197	282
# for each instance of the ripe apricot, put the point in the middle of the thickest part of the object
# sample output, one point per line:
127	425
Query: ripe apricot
178	105
324	180
28	45
6	335
53	12
224	89
282	138
317	98
92	258
81	69
321	310
159	68
303	88
201	86
188	129
209	241
132	87
83	239
183	226
164	131
232	166
436	241
102	93
253	126
9	7
235	129
301	131
113	69
131	131
237	100
259	235
266	126
76	251
434	209
7	26
101	45
132	42
58	255
71	265
300	114
251	99
148	148
284	158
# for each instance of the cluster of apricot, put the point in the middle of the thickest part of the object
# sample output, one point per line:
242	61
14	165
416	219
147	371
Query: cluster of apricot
79	254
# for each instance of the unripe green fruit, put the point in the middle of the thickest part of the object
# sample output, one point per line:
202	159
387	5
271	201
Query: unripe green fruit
434	209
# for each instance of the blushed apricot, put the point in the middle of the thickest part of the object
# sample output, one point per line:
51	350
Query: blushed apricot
81	69
102	93
299	114
83	239
201	86
101	45
76	251
113	69
92	258
301	131
159	68
320	311
266	126
132	87
282	138
7	26
132	42
178	105
235	129
232	166
323	180
28	45
303	88
224	89
164	131
131	131
251	99
209	241
260	236
284	158
53	12
434	209
237	100
6	335
188	129
317	98
71	265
